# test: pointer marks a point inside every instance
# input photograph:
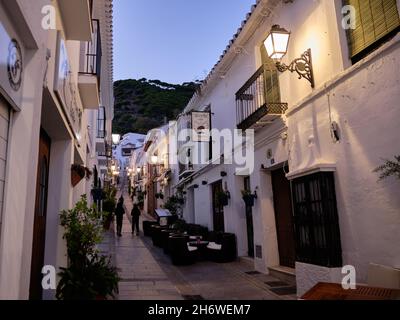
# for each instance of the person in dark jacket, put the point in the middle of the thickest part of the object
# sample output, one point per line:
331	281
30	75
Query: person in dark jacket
119	213
135	218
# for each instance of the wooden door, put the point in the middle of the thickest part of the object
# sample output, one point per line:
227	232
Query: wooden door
218	208
39	227
284	218
249	222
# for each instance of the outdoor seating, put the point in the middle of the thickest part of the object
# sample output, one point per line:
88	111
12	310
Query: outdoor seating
181	253
196	230
164	236
222	247
147	227
156	235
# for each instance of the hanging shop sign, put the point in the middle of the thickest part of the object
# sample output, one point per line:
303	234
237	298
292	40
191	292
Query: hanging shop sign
11	63
67	89
201	125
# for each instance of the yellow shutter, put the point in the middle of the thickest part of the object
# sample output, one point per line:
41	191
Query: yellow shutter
271	79
374	20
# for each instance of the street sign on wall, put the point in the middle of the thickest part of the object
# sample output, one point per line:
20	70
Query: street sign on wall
201	125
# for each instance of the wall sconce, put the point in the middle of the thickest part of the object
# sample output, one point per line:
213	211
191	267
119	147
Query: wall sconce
138	170
196	186
255	193
223	174
154	159
277	44
116	138
204	183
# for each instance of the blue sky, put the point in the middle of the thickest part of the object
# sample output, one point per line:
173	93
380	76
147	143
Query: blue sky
173	40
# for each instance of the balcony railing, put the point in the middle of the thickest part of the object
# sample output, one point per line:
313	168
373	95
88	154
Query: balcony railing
258	101
101	123
107	153
93	53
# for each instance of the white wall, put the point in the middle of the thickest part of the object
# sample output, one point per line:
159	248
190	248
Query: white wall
363	101
19	201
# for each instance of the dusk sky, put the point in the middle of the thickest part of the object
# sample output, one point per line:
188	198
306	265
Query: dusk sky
174	41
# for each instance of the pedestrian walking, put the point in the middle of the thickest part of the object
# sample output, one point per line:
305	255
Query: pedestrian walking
119	213
135	218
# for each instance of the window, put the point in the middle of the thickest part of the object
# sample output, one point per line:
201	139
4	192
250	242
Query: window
316	220
376	22
101	123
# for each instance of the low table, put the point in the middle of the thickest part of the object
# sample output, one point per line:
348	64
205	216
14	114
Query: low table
202	248
334	291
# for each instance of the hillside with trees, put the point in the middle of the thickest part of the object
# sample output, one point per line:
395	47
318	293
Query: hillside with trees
141	105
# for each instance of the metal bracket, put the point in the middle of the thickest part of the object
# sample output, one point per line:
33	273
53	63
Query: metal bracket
302	66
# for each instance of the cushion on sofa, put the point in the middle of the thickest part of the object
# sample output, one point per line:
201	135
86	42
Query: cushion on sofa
214	246
191	249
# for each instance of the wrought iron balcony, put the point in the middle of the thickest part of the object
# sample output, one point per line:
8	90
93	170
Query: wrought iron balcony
90	69
92	63
258	101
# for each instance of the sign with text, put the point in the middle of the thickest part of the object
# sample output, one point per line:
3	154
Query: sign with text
11	62
67	89
201	124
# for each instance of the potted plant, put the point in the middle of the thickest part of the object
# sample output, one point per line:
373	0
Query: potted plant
174	204
89	275
96	280
78	172
248	198
159	196
223	197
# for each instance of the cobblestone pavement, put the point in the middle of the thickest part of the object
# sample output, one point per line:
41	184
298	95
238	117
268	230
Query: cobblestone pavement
147	274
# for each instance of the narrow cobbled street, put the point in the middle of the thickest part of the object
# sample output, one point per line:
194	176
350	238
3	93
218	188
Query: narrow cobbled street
147	273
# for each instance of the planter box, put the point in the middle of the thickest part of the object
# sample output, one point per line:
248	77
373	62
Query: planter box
75	178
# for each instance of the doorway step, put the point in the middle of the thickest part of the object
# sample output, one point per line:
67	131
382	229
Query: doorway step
285	274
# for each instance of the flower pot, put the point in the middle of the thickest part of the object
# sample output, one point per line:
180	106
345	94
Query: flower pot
75	178
249	200
223	200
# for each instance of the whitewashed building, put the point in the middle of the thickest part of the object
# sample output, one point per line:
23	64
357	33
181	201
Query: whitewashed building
123	152
56	101
150	169
319	204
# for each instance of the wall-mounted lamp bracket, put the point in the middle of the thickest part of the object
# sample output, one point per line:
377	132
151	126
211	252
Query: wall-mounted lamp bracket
302	66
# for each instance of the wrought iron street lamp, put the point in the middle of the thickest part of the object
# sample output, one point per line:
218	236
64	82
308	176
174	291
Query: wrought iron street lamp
277	44
116	138
154	159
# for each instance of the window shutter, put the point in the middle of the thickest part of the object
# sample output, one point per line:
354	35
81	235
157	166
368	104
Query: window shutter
271	79
374	20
